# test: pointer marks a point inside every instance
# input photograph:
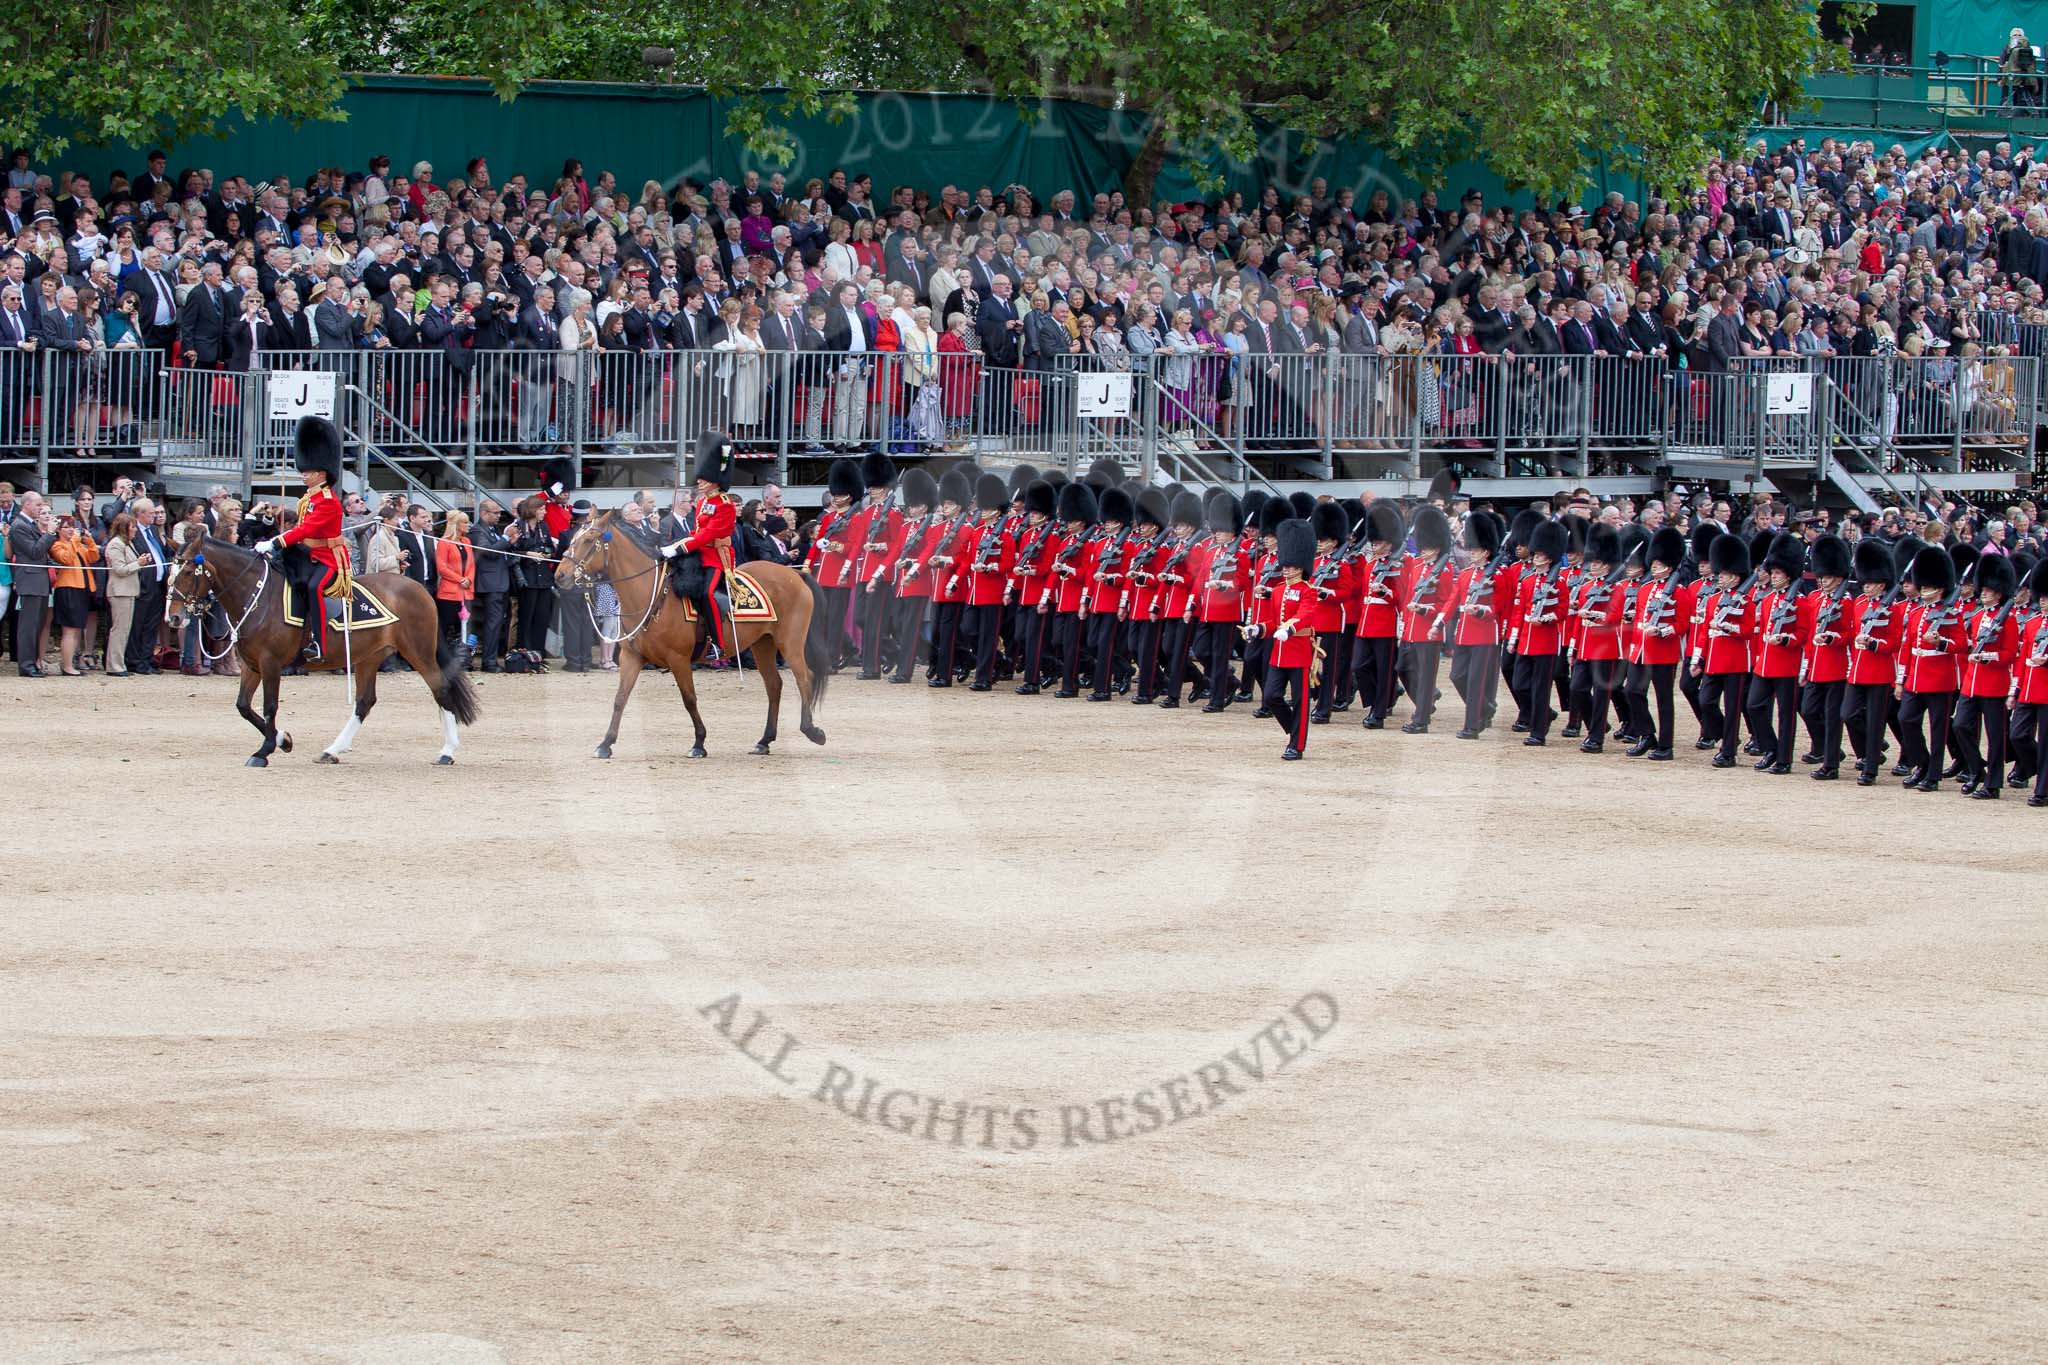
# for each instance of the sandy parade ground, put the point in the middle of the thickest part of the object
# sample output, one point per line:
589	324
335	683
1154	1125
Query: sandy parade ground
996	1029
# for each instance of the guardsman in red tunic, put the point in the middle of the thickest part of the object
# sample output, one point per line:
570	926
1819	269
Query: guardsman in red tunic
1178	574
1991	635
1702	539
1655	644
2029	728
557	481
316	551
1079	512
1141	595
1293	654
1038	544
1252	545
1334	581
1425	606
1221	574
875	528
1824	627
907	568
1876	625
1720	657
1260	605
1777	652
1380	577
705	553
1104	597
946	565
1510	580
833	550
1475	634
1931	653
1538	620
1596	614
988	576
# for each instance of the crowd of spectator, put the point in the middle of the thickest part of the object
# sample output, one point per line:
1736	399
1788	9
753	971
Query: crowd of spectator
824	301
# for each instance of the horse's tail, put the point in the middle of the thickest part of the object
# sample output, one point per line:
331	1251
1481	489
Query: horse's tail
455	695
818	644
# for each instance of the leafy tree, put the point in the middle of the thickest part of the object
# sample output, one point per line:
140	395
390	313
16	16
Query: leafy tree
139	70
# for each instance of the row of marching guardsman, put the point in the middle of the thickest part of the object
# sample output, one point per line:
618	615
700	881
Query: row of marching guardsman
1165	592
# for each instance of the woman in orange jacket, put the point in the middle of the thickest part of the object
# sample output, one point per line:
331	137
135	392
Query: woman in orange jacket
455	567
71	591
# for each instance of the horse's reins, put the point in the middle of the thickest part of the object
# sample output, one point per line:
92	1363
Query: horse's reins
583	578
202	606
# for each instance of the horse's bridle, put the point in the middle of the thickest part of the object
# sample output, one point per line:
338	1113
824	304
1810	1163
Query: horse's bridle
581	577
202	606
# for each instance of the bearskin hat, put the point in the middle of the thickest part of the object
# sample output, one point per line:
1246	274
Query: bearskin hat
1185	509
562	470
1728	554
1632	542
919	488
1432	529
1482	533
1387	524
877	470
1549	540
1077	503
1040	498
1328	521
1760	547
1221	512
1304	504
1297	544
1173	489
1272	512
1603	544
1152	508
1873	562
1787	554
317	445
1248	506
1020	479
1667	547
1904	553
2036	580
1965	558
1104	474
842	480
1996	573
1354	512
1526	521
1830	557
1117	506
1702	539
1575	529
1056	477
1932	568
955	487
991	494
1442	488
715	460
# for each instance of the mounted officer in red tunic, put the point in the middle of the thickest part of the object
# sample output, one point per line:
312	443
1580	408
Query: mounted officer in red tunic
704	556
316	556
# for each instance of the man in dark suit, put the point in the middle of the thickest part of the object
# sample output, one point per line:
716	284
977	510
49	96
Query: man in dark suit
290	325
539	336
445	328
848	330
153	556
416	548
1002	346
781	334
66	340
335	327
18	365
203	320
493	582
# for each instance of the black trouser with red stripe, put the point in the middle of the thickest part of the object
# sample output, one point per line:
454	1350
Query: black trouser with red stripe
1174	655
986	623
1533	674
1373	672
1070	628
1213	643
1983	716
1343	655
1475	673
1868	707
1721	701
1642	679
1035	625
906	627
1820	705
1926	752
1102	639
1145	650
1592	687
1425	657
1773	736
838	601
875	616
1291	714
945	636
322	577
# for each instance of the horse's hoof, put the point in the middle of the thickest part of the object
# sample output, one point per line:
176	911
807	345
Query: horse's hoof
814	734
762	747
284	744
697	751
445	761
327	758
257	761
602	751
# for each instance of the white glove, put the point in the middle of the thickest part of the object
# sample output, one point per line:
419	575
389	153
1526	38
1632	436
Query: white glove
263	547
1284	633
671	551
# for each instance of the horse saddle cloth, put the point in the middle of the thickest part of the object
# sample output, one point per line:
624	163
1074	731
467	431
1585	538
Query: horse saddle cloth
365	609
749	603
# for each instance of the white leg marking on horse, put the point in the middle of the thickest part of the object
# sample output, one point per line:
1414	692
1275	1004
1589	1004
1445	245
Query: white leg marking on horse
448	733
347	736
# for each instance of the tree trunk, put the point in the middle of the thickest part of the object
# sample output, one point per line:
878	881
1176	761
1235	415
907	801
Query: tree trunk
1144	171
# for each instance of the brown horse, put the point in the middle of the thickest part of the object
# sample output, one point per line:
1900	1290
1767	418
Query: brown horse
662	635
250	590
